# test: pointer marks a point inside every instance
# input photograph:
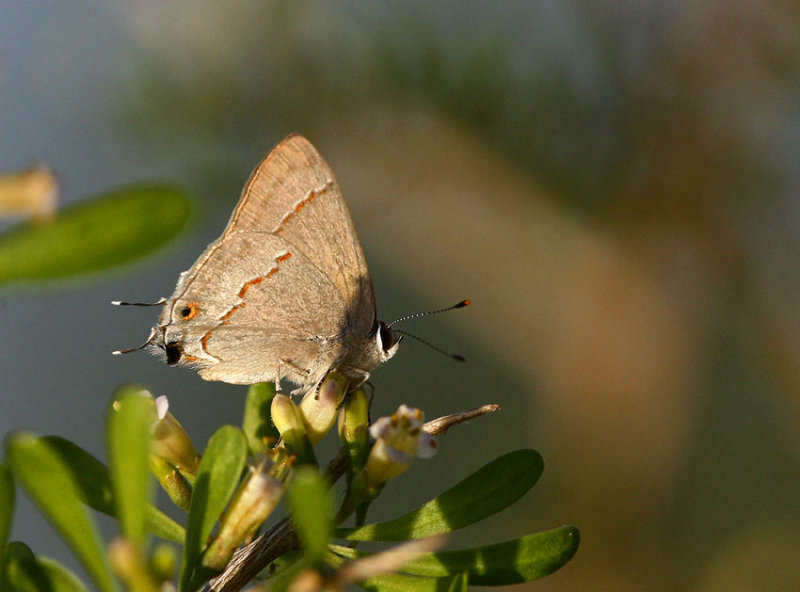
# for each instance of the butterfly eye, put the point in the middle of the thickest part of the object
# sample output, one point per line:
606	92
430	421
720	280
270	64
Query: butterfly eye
388	338
174	352
189	311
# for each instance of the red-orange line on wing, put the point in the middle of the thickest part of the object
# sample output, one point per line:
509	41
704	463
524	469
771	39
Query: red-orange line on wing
303	203
204	342
252	282
228	314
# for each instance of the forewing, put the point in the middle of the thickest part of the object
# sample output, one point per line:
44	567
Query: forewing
293	194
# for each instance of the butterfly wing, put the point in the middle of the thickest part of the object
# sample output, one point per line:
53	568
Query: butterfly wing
285	290
293	194
255	309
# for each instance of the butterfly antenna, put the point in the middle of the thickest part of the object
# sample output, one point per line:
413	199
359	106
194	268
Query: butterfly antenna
150	340
159	302
461	304
456	357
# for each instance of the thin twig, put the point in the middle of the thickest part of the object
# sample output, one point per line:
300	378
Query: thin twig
439	426
280	538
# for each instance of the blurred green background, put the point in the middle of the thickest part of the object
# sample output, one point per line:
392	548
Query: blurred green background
615	186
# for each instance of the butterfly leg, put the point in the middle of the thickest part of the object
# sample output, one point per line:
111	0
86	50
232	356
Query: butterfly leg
302	373
281	375
357	376
325	376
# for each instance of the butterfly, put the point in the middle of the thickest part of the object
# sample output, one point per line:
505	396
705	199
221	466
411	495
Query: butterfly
284	295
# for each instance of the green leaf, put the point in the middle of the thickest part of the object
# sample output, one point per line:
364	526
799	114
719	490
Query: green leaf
61	578
403	583
130	422
94	488
28	573
459	583
510	562
487	491
22	571
311	508
94	235
50	484
257	424
6	514
217	477
163	526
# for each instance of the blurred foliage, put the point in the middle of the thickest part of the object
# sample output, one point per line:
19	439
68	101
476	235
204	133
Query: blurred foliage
95	235
223	493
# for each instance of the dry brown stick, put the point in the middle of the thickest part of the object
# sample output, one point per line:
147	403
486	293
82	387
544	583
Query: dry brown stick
439	426
280	538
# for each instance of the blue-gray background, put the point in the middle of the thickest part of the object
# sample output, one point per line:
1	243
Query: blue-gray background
614	186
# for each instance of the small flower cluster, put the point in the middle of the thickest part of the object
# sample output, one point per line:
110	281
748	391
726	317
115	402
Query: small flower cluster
376	453
229	498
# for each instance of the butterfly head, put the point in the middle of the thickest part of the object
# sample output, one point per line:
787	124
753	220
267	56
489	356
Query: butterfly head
387	341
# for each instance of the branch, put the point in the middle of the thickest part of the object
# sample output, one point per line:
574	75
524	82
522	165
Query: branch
280	538
439	426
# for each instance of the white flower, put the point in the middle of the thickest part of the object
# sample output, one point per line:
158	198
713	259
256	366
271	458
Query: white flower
398	439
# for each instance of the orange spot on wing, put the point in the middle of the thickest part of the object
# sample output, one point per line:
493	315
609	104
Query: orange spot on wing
283	257
189	311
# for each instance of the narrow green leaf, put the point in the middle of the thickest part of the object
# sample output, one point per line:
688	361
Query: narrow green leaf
459	583
161	525
491	488
92	476
94	235
510	562
28	573
257	424
6	514
311	508
22	572
62	579
50	484
404	583
130	421
94	488
217	477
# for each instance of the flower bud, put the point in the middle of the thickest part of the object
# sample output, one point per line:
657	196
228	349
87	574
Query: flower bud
173	482
286	416
254	501
354	428
163	562
319	409
289	422
33	192
171	443
126	560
